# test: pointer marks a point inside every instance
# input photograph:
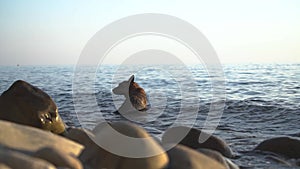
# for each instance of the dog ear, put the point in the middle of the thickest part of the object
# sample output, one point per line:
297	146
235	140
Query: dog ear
131	79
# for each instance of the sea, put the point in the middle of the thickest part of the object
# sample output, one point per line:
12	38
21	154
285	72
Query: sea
254	102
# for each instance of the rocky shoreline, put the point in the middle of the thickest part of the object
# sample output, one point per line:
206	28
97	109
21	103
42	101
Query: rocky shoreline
28	147
33	136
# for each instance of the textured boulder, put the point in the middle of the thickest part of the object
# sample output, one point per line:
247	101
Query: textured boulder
191	140
17	160
59	158
121	154
286	146
182	157
218	157
30	139
4	166
90	155
25	104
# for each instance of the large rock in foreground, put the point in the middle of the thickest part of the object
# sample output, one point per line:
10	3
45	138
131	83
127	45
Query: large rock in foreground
30	139
119	153
90	155
26	104
59	158
16	160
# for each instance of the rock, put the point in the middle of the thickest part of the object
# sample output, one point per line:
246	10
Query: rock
124	154
30	139
191	140
231	164
218	157
25	104
17	160
182	157
89	156
3	166
58	158
286	146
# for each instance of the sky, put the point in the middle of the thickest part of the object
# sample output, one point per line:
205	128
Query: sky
51	32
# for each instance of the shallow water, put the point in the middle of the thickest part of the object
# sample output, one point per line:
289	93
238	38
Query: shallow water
262	101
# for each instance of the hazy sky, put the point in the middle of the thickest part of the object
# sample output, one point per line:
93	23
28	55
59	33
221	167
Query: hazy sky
54	32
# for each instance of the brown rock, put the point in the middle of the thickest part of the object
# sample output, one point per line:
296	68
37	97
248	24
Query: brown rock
30	139
81	136
174	135
4	166
286	146
135	143
124	154
17	160
58	158
90	155
182	157
218	157
25	104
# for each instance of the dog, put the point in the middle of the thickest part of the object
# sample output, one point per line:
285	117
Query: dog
135	96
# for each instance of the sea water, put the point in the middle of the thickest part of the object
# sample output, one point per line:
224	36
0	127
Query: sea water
262	101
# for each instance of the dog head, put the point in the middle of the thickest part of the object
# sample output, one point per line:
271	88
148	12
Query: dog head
123	87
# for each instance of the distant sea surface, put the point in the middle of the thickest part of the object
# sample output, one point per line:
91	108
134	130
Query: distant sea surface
262	100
